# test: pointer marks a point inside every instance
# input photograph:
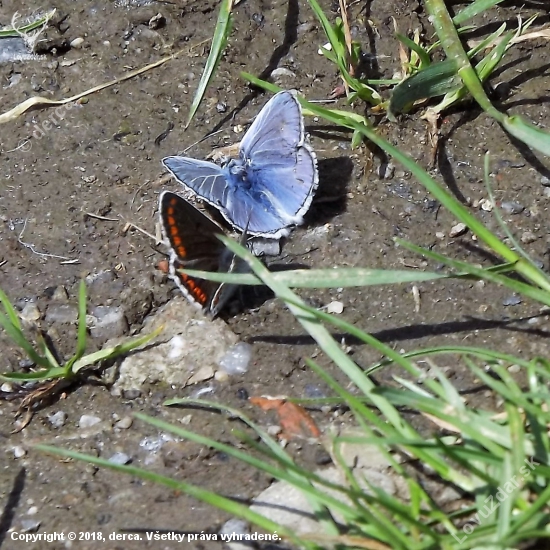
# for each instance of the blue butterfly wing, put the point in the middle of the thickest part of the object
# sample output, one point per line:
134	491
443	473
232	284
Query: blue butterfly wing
206	179
282	167
276	132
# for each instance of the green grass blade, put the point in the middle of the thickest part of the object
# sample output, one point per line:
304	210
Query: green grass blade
233	507
475	8
526	289
423	55
435	80
114	351
10	310
219	40
15	333
82	329
527	132
324	278
8	32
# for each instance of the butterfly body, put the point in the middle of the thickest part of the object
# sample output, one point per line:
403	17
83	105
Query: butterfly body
269	187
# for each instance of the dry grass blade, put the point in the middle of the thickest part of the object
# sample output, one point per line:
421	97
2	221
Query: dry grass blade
37	101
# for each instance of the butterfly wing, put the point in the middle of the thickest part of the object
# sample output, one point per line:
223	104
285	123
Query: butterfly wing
282	167
194	245
206	179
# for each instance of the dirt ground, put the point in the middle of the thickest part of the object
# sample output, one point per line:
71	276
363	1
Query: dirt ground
73	187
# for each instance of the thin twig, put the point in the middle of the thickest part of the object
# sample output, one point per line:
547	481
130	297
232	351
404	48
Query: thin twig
32	248
146	233
97	217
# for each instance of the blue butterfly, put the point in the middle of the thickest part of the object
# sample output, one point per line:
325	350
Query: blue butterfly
270	186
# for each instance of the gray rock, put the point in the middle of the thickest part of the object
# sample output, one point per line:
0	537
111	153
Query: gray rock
29	525
189	341
513	300
234	529
120	458
124	423
282	73
61	313
108	322
19	452
101	277
58	419
236	359
87	421
30	313
512	207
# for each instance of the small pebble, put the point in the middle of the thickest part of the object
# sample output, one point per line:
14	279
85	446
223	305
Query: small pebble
19	452
197	394
545	181
124	423
335	307
440	235
386	171
458	229
131	394
274	430
221	107
236	359
258	18
30	313
281	72
513	300
514	369
512	207
77	42
154	444
305	27
326	46
186	420
157	21
313	391
242	394
528	237
235	526
486	205
6	387
322	458
120	458
87	421
203	373
221	376
58	419
60	293
29	525
32	511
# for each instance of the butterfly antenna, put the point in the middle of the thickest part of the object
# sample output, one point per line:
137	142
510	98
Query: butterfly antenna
201	140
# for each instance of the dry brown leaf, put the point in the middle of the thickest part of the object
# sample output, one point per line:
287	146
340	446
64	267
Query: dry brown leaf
295	421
